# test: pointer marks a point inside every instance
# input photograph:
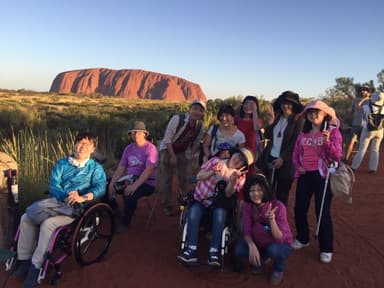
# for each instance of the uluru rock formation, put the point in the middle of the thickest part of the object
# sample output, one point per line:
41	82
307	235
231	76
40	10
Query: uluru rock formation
127	83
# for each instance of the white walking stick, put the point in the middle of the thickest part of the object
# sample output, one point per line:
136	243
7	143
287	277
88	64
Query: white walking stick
331	169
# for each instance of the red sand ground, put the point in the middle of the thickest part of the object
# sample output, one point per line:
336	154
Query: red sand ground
147	257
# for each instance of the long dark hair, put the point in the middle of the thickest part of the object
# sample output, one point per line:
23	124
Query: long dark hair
249	97
263	183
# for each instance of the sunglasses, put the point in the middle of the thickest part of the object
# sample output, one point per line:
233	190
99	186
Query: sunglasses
313	111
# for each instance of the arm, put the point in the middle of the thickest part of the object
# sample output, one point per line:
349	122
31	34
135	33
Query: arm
254	255
200	136
130	189
207	145
334	145
209	169
55	185
271	214
118	173
97	185
169	135
296	155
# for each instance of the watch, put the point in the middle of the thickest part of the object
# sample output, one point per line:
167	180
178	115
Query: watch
85	197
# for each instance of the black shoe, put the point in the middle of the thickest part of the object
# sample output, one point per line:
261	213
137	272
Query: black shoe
188	256
213	260
22	268
32	277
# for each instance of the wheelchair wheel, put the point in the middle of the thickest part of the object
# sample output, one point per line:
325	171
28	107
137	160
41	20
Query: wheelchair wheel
93	234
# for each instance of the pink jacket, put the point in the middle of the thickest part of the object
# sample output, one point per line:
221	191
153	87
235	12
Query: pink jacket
331	151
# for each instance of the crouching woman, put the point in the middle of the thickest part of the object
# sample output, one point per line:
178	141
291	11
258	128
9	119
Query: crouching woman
266	232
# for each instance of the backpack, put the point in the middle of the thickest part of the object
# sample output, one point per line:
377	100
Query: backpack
341	181
375	120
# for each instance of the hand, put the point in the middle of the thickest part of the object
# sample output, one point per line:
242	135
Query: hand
254	255
218	168
277	163
74	197
130	189
173	161
271	213
254	107
301	170
325	135
111	191
236	174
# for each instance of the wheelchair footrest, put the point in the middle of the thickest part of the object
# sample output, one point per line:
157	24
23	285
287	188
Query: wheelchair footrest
6	254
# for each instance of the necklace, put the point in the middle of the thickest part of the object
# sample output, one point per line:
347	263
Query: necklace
282	125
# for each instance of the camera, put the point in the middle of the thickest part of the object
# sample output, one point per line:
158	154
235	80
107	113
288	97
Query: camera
123	182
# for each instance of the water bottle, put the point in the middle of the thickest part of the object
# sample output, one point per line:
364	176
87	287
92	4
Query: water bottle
15	188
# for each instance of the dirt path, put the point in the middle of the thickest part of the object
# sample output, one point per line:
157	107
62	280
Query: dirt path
147	258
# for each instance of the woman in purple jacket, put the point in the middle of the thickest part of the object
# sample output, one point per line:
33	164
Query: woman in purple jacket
266	232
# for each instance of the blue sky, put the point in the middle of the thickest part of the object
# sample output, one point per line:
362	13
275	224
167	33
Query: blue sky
229	47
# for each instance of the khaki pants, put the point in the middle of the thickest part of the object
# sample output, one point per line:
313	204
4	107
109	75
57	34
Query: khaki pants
26	245
165	175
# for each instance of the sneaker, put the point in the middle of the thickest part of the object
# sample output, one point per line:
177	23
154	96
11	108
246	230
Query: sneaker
296	244
325	257
32	277
23	268
276	278
188	256
213	259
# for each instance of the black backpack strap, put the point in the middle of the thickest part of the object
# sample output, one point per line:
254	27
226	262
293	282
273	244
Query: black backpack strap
181	122
214	136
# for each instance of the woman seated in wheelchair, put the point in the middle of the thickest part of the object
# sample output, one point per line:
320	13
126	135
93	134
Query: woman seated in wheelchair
74	179
266	232
232	171
138	163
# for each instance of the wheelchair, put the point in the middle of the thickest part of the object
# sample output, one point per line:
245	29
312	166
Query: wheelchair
229	231
88	239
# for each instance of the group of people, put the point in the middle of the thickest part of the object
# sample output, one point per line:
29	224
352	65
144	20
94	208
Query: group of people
298	142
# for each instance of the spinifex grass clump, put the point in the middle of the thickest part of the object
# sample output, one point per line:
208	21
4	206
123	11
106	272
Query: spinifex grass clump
35	154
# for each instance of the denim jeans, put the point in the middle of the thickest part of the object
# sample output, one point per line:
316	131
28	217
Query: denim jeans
130	202
278	252
196	212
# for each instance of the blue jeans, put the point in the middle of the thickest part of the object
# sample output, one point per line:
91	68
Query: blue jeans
130	202
196	212
278	252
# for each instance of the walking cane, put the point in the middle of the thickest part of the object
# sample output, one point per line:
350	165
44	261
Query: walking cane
331	169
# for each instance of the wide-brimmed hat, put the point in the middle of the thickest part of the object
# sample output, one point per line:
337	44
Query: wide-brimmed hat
200	102
248	156
320	105
138	126
291	97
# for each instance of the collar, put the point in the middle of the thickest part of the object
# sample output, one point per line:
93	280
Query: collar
77	163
